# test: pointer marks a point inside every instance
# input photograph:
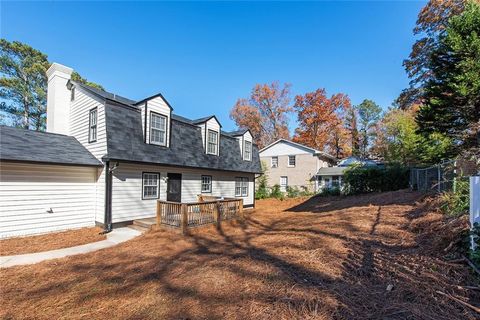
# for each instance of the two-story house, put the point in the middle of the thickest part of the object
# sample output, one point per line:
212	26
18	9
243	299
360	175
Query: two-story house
293	164
106	159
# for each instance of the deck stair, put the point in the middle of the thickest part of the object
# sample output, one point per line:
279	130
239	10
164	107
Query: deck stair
143	225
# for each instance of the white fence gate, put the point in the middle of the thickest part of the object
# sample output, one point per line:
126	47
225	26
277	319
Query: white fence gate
474	202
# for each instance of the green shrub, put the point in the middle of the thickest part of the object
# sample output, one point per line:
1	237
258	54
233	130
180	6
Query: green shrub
262	191
456	203
330	192
375	179
276	193
306	193
293	192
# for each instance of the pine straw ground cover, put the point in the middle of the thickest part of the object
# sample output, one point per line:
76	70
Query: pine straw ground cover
50	241
323	258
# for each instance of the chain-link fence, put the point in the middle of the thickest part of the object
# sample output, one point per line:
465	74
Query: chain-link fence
441	177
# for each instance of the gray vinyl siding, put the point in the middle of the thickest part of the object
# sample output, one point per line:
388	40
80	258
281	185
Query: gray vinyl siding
27	191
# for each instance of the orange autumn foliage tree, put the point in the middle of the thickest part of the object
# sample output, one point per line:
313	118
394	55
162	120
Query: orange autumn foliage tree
264	113
321	122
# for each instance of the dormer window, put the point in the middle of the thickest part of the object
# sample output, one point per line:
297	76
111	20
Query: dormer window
248	151
158	129
212	142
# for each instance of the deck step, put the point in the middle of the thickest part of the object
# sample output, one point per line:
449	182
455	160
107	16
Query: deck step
138	228
147	223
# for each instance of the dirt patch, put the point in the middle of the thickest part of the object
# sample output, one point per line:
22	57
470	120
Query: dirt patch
320	258
50	241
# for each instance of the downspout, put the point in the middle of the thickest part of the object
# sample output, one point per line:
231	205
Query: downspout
108	199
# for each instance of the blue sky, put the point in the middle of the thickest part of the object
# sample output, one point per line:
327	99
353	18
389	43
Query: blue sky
202	56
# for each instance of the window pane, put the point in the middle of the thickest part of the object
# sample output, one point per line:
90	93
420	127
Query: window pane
150	185
212	142
291	160
92	130
158	128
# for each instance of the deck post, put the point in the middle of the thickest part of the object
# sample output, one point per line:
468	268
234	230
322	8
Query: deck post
216	215
240	209
159	213
184	218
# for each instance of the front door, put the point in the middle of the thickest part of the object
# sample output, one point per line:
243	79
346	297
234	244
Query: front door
174	187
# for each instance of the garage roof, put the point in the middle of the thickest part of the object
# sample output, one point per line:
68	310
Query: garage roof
34	146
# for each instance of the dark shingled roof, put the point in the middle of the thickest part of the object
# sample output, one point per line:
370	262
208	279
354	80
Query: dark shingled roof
104	94
236	133
125	142
33	146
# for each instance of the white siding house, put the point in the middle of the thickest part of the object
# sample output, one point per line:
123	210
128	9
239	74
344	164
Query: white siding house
106	159
38	198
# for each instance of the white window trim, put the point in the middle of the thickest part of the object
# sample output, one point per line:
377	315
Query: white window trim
150	185
288	161
208	143
245	150
202	184
243	185
91	126
271	162
152	114
286	183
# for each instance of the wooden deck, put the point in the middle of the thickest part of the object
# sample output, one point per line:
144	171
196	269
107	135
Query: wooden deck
189	215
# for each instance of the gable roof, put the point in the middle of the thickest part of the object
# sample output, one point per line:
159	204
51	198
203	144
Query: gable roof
312	150
153	97
240	132
205	119
125	143
33	146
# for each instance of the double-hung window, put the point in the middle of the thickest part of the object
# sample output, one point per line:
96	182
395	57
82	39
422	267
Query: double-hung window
291	161
241	187
212	142
206	184
248	150
283	183
150	185
158	129
274	162
92	125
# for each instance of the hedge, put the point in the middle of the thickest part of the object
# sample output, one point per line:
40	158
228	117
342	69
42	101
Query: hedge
358	180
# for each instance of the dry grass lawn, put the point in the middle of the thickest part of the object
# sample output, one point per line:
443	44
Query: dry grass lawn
323	258
50	241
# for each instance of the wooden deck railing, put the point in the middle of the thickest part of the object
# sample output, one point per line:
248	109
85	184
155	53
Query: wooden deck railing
187	215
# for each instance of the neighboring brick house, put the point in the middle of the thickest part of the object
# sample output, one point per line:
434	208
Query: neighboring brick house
295	165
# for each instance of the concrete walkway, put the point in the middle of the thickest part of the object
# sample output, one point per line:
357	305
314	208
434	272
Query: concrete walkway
113	238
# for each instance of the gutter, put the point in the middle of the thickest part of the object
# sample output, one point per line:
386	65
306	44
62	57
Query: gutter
107	222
